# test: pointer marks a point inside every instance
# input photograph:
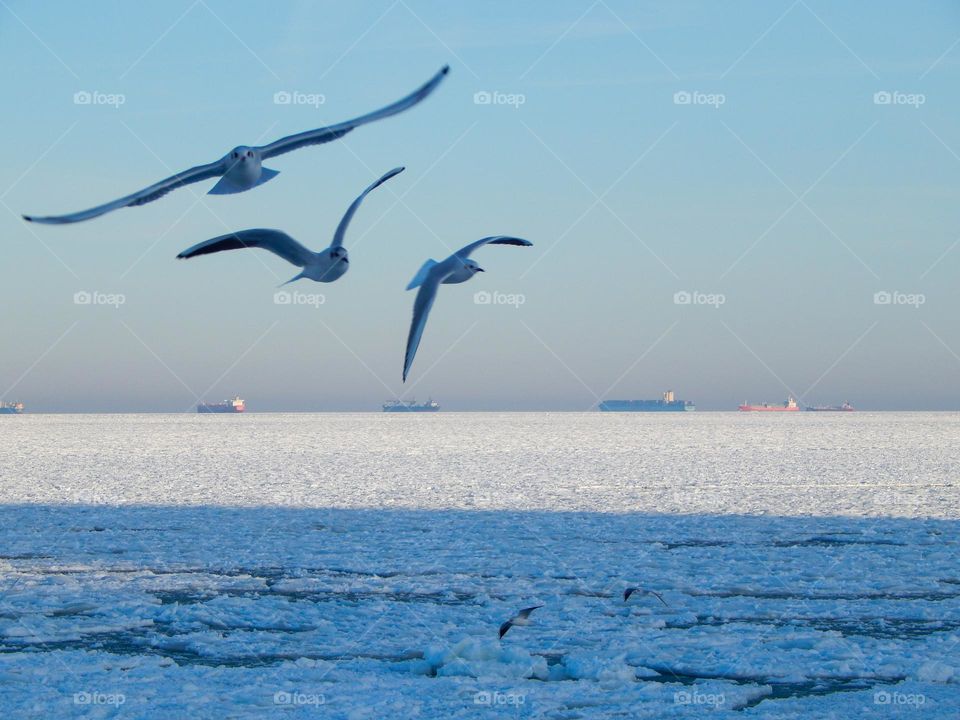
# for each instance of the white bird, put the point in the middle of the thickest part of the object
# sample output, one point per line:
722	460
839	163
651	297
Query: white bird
457	268
521	618
631	590
325	266
241	168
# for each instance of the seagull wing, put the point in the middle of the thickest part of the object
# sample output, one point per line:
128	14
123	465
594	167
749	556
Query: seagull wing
348	216
279	243
506	626
464	252
421	309
525	613
628	592
142	197
332	132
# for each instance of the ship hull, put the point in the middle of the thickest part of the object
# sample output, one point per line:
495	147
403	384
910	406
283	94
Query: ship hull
411	409
218	410
647	406
10	411
761	408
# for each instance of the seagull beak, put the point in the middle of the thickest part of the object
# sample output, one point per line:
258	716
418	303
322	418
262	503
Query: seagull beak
480	269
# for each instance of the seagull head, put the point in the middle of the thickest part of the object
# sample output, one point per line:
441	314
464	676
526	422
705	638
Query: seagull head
339	253
472	266
242	155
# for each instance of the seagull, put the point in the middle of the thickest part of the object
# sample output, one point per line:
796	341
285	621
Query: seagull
457	268
631	590
324	266
521	618
241	168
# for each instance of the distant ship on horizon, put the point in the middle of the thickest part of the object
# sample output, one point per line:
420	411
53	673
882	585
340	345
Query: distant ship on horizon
667	403
790	405
845	407
394	406
12	408
236	405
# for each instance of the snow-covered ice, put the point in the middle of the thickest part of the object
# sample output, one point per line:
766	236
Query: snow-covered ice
359	566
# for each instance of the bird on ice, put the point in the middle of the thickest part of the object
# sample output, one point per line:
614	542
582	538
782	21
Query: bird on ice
521	618
631	590
242	168
457	268
325	266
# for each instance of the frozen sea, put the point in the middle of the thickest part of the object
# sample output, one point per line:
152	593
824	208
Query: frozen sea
359	565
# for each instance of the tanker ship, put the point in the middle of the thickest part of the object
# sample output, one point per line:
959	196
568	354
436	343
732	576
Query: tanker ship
667	403
789	406
227	406
14	408
401	406
846	407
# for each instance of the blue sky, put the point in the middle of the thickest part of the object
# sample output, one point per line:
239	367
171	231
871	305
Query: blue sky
781	199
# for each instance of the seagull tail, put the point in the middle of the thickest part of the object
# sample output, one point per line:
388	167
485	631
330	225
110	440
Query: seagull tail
226	186
296	277
421	274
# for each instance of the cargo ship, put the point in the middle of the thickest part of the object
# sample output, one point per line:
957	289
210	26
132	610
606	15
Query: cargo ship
401	406
227	406
846	407
667	403
790	405
14	408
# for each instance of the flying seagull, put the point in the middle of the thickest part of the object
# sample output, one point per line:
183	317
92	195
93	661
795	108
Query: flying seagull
241	168
324	266
631	590
457	268
521	618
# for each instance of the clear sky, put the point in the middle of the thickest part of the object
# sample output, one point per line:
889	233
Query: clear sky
736	152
